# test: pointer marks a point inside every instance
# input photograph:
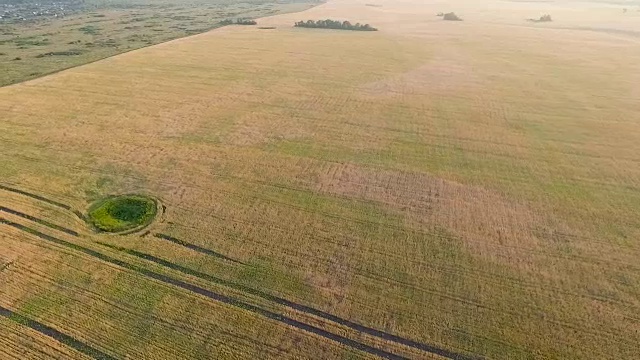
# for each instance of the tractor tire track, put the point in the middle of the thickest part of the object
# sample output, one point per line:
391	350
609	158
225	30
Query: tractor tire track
195	247
56	335
85	296
35	350
299	307
35	196
183	328
496	281
390	226
40	221
215	296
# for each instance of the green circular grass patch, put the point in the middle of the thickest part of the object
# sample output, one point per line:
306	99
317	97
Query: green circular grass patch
122	213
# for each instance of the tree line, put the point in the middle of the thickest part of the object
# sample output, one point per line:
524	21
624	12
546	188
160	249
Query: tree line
543	18
334	24
240	21
449	16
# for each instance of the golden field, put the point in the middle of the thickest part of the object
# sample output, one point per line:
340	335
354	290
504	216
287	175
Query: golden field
434	189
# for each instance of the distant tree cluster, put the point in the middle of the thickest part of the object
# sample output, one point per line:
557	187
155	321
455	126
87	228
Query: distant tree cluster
543	18
334	24
239	22
450	16
246	22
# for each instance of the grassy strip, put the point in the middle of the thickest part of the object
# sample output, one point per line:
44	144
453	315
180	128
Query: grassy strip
34	196
195	247
299	307
55	334
40	221
212	295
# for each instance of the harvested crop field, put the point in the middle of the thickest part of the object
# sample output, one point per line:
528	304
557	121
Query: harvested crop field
434	189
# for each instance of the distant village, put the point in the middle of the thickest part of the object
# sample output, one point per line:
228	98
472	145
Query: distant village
36	10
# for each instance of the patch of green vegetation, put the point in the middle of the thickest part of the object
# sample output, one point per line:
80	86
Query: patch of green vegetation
367	216
145	297
7	170
264	274
122	213
32	41
49	301
61	53
90	30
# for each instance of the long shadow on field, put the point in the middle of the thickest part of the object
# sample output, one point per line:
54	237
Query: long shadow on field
39	221
55	334
35	196
195	247
299	307
214	296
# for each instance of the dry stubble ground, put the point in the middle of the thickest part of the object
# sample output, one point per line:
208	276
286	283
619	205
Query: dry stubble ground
473	186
